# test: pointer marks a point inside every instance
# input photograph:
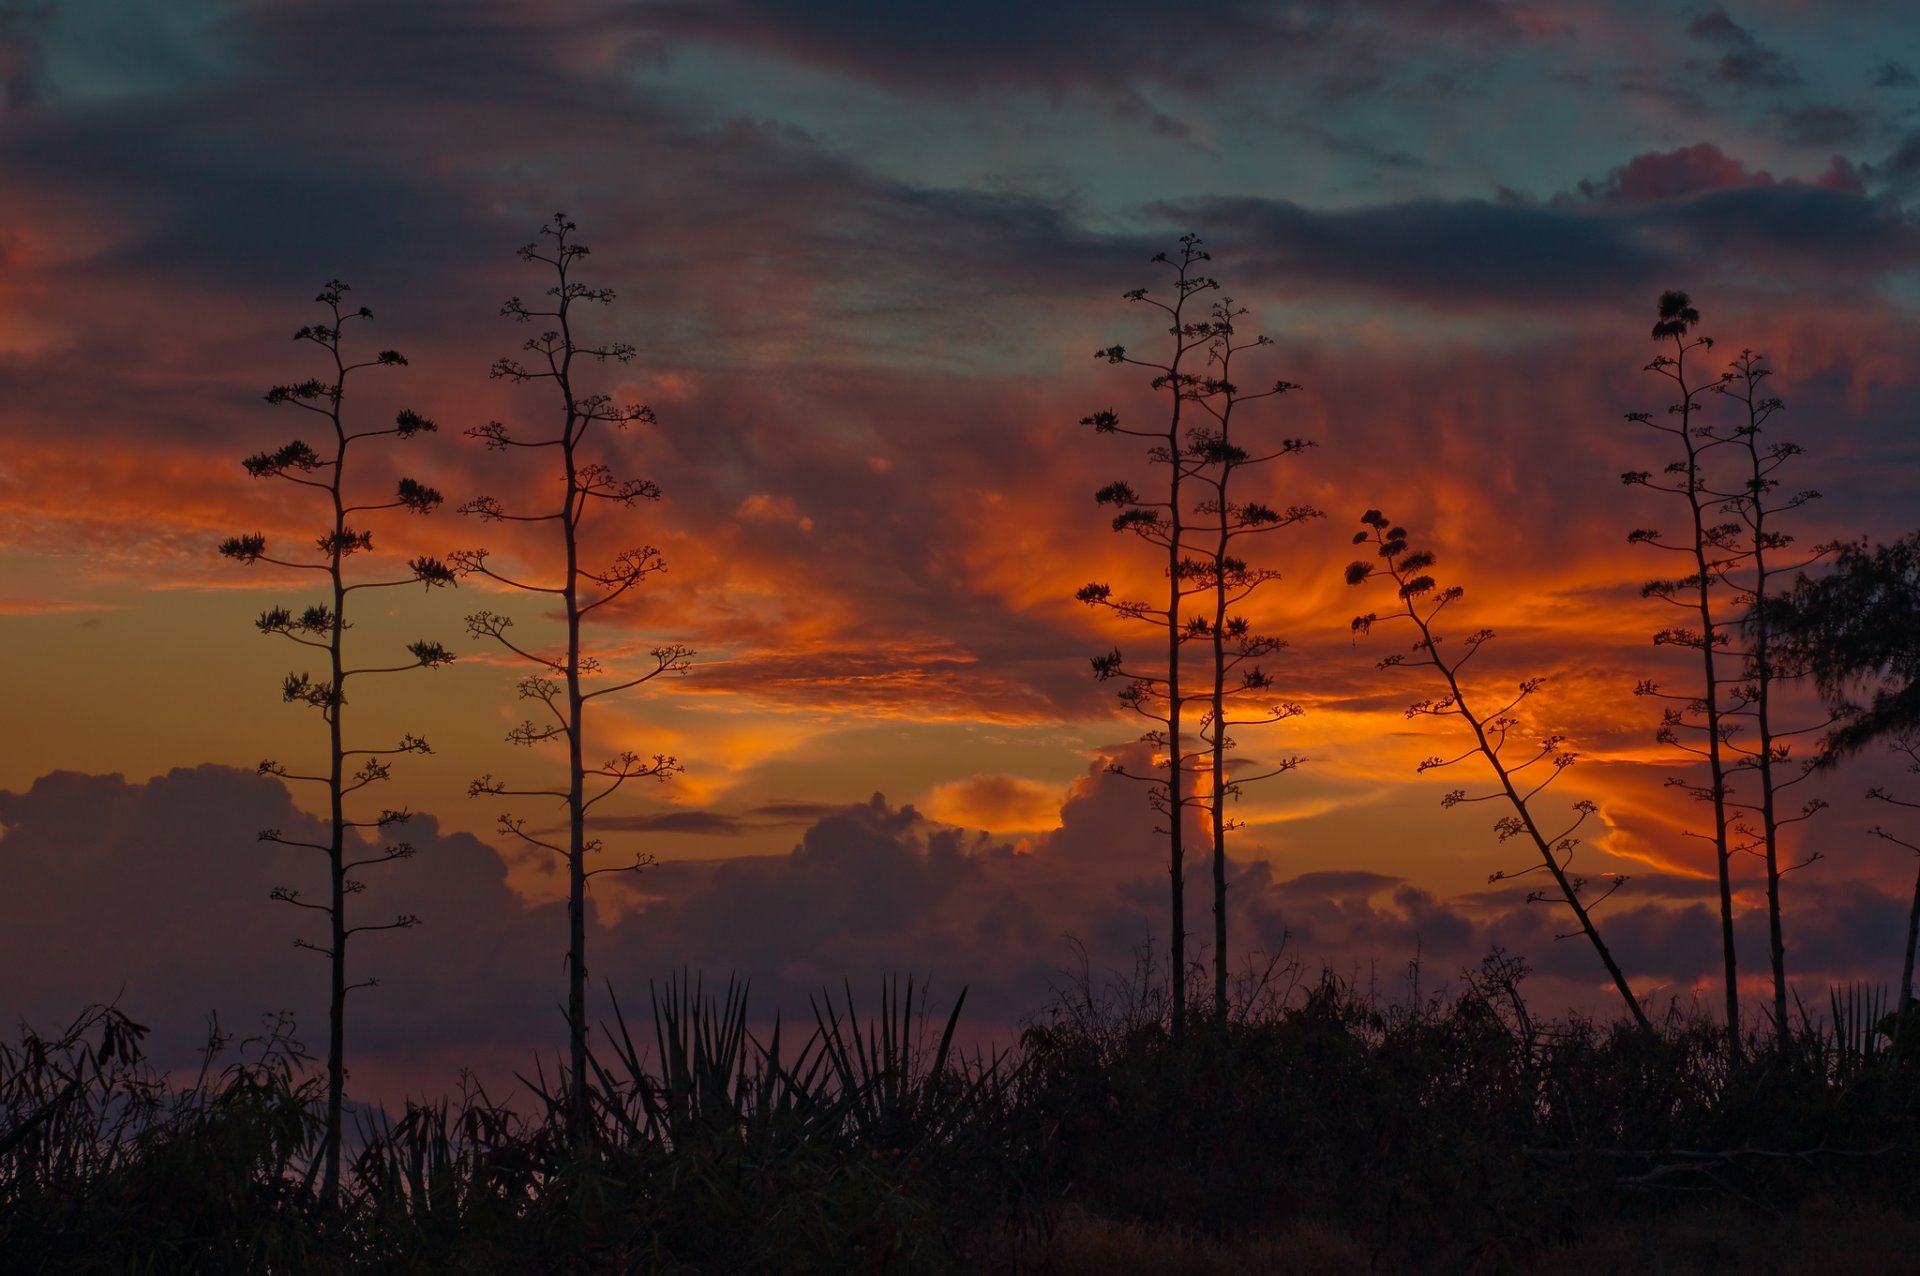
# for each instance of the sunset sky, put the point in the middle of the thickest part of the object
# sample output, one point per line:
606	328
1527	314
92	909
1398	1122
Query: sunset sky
865	252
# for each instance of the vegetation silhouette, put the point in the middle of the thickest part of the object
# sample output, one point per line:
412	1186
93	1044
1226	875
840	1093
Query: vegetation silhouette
1906	744
1728	478
1155	692
1200	451
1766	666
570	679
322	628
1235	675
1420	600
1327	1128
1694	714
1856	629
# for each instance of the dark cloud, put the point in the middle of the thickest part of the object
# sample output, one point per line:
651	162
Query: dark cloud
23	26
155	894
1110	48
700	823
1811	228
1901	170
1744	60
1695	210
1337	883
793	812
1893	75
1449	254
1824	125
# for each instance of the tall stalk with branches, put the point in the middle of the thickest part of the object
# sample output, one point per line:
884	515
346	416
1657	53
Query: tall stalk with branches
1235	676
1692	720
566	678
1765	560
322	628
1154	691
1420	600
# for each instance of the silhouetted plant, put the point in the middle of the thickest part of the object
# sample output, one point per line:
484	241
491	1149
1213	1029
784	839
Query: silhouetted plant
1709	548
1448	1132
1421	600
1234	673
1154	692
1906	744
561	684
137	1171
322	628
68	1106
1754	574
1856	628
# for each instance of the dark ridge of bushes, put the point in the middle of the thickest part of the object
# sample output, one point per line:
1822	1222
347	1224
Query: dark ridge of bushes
1454	1133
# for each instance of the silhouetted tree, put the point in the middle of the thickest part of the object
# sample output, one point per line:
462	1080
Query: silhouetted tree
1906	743
1755	575
323	628
1235	675
1709	549
1420	601
1856	628
560	685
1154	692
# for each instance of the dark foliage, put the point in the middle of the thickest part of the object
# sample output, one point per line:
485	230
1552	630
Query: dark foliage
1447	1132
1857	628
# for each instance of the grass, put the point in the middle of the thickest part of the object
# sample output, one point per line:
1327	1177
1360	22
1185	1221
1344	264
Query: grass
1316	1130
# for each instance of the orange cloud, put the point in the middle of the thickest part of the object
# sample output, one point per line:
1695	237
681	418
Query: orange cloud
997	803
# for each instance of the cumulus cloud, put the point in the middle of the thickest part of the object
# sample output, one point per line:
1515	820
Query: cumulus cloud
155	894
1003	802
1656	176
1659	175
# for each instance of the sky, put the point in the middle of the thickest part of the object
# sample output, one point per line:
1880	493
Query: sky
864	253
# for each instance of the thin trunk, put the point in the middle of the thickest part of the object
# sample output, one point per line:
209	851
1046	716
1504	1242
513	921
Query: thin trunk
576	849
1769	817
1906	963
1567	892
1761	658
1710	675
1717	774
1176	798
579	1113
1220	755
1904	1029
1456	702
336	801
